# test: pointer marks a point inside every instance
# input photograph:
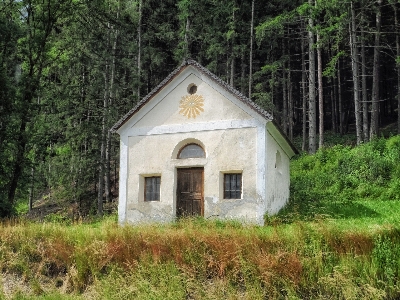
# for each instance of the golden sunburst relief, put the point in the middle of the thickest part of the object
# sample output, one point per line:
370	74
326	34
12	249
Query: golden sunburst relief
191	106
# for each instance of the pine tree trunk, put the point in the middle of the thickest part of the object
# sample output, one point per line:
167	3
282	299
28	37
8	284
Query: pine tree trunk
290	101
374	130
320	94
107	179
251	49
284	93
364	89
139	54
232	71
231	81
304	95
187	41
340	104
243	74
334	106
312	121
355	71
396	24
104	130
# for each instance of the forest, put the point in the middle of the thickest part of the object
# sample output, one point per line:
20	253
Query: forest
70	69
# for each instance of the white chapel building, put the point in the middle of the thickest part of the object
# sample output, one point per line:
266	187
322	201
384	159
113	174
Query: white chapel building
195	146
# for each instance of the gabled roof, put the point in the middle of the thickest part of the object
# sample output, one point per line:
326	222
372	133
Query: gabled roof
203	70
213	77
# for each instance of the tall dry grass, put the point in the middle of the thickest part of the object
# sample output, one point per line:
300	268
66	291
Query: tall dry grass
197	259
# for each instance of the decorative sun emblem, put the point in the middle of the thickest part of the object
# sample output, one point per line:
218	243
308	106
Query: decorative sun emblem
191	105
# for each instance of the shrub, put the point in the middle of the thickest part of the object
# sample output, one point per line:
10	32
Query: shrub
370	171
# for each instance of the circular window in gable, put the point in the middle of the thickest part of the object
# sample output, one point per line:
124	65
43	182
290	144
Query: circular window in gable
192	89
191	151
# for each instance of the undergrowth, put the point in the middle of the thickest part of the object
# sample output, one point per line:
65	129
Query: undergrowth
339	182
339	238
199	259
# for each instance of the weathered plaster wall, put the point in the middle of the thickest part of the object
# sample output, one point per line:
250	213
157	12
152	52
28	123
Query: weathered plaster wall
226	150
278	175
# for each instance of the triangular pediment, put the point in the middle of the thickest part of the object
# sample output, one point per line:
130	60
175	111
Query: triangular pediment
172	102
176	105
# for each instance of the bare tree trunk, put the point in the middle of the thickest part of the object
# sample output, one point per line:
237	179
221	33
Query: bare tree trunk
251	49
320	94
374	130
312	121
107	179
304	95
227	68
284	93
364	89
290	101
233	50
232	71
243	75
102	148
341	116
396	24
139	64
355	71
104	130
284	103
334	106
187	41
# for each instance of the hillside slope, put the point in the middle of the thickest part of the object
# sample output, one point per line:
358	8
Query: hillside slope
335	180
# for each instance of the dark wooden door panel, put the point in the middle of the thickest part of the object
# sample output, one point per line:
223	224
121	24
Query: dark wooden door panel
190	192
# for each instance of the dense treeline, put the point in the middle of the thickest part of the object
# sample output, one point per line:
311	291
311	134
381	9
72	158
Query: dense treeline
69	69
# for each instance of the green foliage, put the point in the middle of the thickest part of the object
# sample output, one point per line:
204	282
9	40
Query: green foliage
335	181
386	257
331	68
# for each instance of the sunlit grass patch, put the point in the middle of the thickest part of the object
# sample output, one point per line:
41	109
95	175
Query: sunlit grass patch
202	259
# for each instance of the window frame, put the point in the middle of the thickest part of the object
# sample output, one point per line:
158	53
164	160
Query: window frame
232	193
155	196
187	145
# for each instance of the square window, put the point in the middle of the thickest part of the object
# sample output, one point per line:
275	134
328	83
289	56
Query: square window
152	188
233	186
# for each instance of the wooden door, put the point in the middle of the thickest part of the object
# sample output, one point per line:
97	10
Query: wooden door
190	192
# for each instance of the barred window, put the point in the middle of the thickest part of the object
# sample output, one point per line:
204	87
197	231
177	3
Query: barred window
152	188
233	186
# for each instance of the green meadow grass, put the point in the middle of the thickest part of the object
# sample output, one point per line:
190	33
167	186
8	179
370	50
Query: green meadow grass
200	259
338	238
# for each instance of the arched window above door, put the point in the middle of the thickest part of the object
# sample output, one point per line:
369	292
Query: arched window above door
191	151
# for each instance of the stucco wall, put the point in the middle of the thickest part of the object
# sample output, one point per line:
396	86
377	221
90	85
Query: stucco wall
278	175
226	151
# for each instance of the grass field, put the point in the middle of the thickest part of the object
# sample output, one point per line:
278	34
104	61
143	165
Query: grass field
355	256
338	238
